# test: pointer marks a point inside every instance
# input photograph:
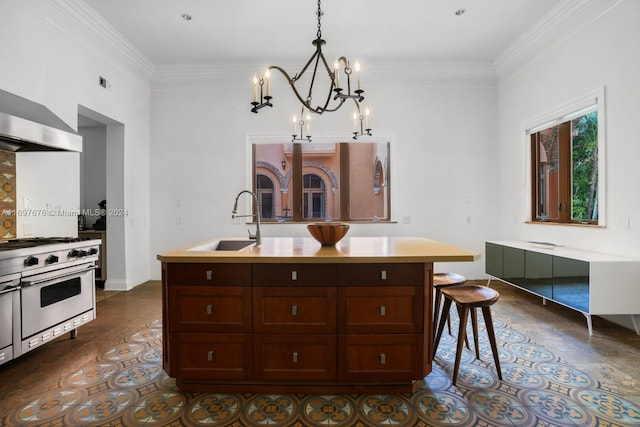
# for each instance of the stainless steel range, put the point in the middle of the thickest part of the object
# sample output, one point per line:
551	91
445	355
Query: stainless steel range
47	288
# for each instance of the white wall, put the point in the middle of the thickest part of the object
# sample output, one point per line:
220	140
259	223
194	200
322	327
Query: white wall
445	136
47	191
599	55
602	54
55	58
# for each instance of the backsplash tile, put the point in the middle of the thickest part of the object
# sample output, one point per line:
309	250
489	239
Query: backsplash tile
8	194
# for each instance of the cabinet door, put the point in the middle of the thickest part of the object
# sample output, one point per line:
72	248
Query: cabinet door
294	310
539	273
210	309
394	309
513	266
370	358
294	275
295	357
571	283
381	274
494	260
212	356
208	274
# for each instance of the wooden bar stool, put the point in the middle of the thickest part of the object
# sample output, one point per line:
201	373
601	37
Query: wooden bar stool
468	298
441	281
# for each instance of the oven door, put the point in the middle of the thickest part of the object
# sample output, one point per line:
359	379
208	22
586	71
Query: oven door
54	297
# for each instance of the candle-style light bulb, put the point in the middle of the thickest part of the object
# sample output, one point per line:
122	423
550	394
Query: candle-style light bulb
267	76
336	72
355	122
366	116
357	68
308	120
255	88
295	122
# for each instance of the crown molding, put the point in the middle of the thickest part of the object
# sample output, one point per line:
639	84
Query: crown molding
558	25
95	32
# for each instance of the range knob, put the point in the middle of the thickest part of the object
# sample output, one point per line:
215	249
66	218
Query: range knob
51	259
31	261
77	253
93	251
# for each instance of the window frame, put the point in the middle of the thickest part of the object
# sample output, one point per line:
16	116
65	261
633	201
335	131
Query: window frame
326	138
592	101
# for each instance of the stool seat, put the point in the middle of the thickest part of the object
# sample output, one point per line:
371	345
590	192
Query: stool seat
440	282
472	295
467	299
447	279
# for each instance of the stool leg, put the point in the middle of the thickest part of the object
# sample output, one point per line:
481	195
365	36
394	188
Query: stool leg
486	312
462	333
466	338
436	308
474	323
445	310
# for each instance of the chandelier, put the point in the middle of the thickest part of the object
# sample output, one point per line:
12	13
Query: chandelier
332	101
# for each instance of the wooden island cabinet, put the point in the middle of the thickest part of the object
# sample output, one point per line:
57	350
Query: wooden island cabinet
290	316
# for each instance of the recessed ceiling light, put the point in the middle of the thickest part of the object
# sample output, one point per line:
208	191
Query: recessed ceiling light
460	12
186	17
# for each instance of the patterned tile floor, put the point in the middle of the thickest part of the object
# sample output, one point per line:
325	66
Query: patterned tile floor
126	386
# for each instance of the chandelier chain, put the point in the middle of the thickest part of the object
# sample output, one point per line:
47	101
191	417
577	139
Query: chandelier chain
319	13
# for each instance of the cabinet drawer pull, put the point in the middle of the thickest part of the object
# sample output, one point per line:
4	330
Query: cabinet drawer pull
383	359
209	274
294	275
383	310
210	355
295	357
383	275
294	310
209	309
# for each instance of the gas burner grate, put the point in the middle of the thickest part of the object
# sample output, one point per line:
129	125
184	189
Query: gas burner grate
30	242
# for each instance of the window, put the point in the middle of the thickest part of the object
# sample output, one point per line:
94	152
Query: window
564	169
313	197
322	181
264	191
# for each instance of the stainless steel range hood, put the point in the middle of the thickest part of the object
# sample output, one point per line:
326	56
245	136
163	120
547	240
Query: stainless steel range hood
27	126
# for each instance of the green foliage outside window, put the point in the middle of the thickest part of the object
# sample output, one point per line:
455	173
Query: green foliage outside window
584	149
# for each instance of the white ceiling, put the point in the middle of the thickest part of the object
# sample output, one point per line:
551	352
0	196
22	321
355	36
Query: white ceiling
374	31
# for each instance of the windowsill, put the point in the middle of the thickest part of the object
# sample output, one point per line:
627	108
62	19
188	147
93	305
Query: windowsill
263	222
568	224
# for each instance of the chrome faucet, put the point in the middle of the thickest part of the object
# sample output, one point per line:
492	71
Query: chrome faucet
256	212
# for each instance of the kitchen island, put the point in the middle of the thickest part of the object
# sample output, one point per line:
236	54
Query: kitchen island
293	316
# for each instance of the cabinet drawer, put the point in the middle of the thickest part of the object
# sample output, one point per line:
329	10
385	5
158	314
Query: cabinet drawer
396	309
212	356
381	274
210	309
370	358
294	274
295	357
294	310
209	274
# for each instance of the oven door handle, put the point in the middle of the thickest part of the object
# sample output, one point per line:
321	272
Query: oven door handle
10	288
27	283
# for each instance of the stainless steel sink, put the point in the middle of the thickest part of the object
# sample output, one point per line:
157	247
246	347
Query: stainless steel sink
223	245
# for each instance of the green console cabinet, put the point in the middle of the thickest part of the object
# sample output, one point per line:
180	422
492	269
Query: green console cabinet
590	282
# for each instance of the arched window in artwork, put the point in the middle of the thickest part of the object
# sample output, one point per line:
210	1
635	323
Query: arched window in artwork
313	197
265	191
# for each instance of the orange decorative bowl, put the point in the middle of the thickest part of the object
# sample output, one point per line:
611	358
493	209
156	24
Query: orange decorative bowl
328	233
